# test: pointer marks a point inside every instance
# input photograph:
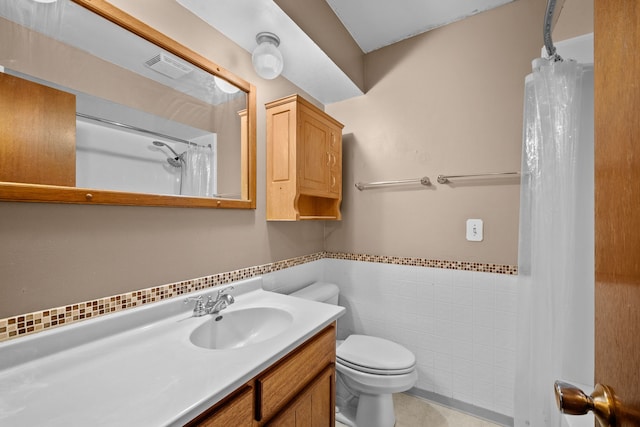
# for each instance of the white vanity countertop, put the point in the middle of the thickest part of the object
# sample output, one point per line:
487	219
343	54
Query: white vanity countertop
147	374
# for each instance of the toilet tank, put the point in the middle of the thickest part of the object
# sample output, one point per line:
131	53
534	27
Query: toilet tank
319	291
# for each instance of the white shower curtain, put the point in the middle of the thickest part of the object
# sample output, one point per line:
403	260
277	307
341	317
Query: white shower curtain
547	238
198	171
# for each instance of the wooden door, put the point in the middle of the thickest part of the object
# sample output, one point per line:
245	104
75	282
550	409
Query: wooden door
617	202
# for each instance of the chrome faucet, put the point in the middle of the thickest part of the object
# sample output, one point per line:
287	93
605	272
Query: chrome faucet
212	306
222	301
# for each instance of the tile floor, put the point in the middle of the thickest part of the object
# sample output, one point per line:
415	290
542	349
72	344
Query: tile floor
413	411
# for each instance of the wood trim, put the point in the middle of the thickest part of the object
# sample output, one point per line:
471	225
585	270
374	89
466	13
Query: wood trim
299	99
16	192
252	140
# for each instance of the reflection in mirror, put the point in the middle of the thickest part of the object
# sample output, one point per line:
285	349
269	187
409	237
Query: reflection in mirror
90	105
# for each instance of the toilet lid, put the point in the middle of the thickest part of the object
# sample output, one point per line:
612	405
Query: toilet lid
375	355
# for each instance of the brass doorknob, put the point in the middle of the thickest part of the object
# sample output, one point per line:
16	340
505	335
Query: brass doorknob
573	401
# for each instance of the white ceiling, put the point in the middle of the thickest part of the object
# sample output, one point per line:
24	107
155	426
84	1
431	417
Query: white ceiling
305	64
372	23
377	23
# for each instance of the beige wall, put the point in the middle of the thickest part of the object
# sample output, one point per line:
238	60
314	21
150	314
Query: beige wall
320	23
575	19
53	254
445	102
449	101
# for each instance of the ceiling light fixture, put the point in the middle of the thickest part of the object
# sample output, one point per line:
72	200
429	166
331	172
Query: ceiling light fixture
225	86
266	58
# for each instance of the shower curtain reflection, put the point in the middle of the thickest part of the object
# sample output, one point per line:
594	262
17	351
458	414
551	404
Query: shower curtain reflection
548	260
198	171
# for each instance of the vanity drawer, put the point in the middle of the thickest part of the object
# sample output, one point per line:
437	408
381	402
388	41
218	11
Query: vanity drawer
280	384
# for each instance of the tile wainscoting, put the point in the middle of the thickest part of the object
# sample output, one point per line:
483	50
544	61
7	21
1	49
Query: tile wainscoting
460	323
459	319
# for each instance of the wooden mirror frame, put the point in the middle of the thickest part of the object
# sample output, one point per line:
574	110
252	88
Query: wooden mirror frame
20	192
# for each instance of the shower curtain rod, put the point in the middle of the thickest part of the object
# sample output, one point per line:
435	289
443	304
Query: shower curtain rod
125	126
546	31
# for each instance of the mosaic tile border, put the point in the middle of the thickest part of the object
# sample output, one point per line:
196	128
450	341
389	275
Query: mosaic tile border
422	262
30	323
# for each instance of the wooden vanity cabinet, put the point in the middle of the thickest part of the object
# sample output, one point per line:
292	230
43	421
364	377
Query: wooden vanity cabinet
298	390
314	407
234	410
304	161
285	381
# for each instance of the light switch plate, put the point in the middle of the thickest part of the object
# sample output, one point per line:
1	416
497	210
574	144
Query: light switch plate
474	230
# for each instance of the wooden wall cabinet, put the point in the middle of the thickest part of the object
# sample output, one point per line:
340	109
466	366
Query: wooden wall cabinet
298	390
304	161
37	133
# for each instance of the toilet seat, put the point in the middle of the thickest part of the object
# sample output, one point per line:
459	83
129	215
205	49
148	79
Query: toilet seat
375	355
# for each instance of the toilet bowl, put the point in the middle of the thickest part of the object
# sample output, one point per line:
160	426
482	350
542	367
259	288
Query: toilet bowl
369	369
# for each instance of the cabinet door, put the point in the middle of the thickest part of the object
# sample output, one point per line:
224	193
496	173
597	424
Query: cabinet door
37	133
237	410
314	407
314	156
281	161
288	378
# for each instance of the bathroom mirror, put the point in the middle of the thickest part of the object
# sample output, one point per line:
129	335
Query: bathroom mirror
97	107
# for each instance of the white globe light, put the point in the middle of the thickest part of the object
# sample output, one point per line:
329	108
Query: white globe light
267	59
225	86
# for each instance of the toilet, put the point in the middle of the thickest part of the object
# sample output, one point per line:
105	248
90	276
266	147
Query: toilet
369	369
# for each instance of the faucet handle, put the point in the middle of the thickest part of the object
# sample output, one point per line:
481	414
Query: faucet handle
224	296
199	308
224	291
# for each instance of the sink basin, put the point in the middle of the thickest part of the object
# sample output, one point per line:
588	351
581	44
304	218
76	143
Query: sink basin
241	328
